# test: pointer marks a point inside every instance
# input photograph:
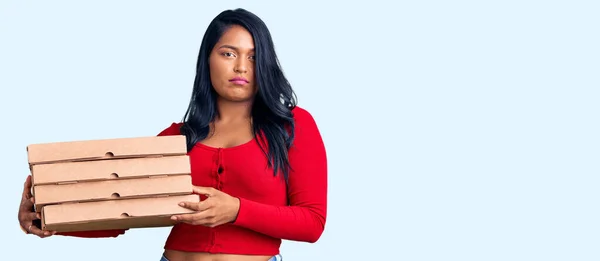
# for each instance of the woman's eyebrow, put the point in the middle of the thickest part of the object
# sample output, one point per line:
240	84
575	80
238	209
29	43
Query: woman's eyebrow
232	47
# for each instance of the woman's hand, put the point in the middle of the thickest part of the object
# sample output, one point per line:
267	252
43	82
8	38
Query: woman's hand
27	216
217	209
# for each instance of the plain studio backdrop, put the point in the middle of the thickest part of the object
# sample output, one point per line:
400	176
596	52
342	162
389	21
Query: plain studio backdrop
455	130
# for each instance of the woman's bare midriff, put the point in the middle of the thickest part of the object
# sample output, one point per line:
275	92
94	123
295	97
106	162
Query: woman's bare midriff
174	255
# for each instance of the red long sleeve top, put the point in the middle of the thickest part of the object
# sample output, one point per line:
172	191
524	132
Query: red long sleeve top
269	210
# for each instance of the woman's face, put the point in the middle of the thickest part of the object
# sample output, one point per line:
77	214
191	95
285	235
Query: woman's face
231	65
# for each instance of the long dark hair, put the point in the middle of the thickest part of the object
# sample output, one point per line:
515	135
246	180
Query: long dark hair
272	109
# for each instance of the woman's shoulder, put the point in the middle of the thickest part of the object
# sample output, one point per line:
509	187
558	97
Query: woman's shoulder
173	129
301	114
303	119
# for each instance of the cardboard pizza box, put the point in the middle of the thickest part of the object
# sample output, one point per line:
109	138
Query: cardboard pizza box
84	150
98	170
114	214
112	190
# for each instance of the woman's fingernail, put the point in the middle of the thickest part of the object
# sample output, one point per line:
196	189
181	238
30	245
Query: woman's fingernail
181	204
174	218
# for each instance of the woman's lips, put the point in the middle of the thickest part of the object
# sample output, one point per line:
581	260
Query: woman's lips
239	81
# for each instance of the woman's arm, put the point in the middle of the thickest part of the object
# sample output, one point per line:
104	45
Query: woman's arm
304	218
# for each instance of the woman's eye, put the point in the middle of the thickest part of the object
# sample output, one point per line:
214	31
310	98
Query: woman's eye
252	58
228	54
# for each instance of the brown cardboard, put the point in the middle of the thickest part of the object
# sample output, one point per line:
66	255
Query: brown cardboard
112	190
44	153
70	172
114	214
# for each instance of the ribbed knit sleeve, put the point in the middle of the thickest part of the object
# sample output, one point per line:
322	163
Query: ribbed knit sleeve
304	218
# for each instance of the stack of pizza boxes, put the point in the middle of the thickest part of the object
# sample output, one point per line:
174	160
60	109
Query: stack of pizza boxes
111	183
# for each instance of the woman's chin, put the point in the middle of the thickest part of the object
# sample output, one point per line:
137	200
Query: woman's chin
237	98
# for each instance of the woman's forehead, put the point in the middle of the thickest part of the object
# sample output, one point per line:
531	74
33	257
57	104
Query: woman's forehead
237	38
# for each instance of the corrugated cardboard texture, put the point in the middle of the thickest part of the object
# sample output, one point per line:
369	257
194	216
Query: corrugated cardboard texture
112	190
69	172
114	214
106	149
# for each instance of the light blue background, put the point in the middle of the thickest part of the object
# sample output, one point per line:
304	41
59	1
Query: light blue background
456	130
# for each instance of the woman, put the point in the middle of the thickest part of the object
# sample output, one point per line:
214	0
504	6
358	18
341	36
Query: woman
258	160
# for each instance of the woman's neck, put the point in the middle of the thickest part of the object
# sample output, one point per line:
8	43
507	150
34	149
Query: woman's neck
233	111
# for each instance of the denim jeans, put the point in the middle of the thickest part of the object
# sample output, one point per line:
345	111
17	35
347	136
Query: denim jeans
277	257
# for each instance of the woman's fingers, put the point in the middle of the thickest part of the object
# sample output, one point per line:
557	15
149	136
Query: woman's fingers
27	187
206	191
193	219
27	201
27	183
189	205
27	204
199	218
202	211
197	206
31	216
27	216
185	218
40	233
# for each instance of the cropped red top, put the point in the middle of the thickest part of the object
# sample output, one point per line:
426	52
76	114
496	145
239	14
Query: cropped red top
269	211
